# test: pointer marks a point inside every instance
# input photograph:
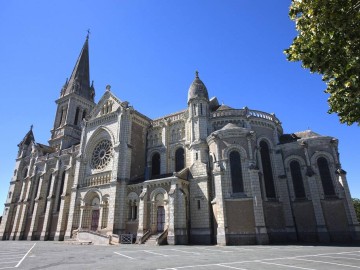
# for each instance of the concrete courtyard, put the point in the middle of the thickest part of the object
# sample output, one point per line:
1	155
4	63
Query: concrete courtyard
61	255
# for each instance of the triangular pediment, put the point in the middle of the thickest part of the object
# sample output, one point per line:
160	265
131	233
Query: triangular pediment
107	104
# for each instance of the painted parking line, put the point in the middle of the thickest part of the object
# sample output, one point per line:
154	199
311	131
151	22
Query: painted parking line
189	252
13	256
228	266
131	258
155	253
25	256
215	250
335	257
272	259
287	266
339	264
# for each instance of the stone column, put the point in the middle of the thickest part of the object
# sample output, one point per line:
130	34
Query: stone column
171	238
81	215
285	197
60	228
101	209
18	212
322	232
25	206
50	200
142	214
221	209
260	226
35	214
349	207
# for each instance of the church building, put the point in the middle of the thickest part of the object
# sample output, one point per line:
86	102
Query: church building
209	174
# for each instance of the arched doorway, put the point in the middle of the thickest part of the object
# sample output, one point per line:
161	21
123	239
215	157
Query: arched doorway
160	219
95	213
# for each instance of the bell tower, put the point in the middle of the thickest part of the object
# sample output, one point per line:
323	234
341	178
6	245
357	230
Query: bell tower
198	109
75	102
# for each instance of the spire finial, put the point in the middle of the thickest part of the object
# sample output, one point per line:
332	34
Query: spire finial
196	74
88	33
31	127
108	87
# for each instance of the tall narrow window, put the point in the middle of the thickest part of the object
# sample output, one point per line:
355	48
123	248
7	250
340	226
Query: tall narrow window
236	173
134	211
194	109
61	190
201	109
179	159
267	170
325	176
61	117
76	116
84	114
297	179
155	165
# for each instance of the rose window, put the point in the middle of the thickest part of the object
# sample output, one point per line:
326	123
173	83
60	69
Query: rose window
101	155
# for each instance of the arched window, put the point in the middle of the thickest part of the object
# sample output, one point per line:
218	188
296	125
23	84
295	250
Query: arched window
61	117
236	173
25	173
267	170
297	179
325	176
179	159
155	165
61	190
76	116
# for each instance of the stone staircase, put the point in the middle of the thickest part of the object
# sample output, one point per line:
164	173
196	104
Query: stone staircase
151	241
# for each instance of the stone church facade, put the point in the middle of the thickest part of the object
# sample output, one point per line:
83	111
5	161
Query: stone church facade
207	174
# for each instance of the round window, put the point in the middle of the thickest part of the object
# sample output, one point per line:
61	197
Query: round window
101	155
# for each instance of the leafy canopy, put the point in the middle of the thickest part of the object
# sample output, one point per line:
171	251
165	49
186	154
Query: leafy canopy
328	43
356	203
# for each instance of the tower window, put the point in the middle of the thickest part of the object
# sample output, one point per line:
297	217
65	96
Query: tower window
297	179
267	170
201	109
194	108
76	116
325	176
155	165
179	159
84	114
236	172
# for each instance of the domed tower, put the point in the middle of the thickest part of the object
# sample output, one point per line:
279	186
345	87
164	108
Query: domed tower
198	109
197	157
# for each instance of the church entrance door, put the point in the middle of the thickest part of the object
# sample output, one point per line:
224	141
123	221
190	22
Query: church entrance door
160	218
95	219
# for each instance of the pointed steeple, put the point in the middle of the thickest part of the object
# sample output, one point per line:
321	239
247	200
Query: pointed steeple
79	81
29	137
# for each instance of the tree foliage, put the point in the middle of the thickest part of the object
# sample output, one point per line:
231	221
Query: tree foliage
328	43
356	203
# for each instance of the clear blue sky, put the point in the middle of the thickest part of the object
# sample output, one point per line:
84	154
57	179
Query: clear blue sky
148	52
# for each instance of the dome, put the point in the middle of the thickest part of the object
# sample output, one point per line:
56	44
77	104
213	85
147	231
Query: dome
197	89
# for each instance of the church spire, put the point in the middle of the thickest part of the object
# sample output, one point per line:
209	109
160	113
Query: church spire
79	81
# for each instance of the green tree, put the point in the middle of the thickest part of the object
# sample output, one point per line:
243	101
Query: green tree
356	203
328	43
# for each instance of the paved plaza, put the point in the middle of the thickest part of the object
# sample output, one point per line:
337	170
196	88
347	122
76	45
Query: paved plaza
60	255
